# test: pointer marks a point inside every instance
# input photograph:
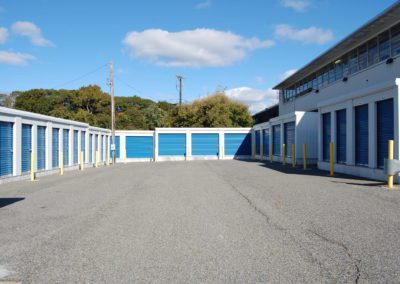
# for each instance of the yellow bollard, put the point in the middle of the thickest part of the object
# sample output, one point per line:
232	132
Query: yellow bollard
107	159
284	154
61	163
293	156
390	157
97	160
271	160
32	166
81	167
304	156
331	159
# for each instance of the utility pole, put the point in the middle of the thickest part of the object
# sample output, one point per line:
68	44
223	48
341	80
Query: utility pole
180	78
112	112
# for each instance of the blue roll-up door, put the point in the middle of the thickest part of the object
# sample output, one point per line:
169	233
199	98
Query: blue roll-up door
96	142
6	148
326	136
83	145
101	148
171	144
55	148
66	147
289	137
258	143
41	147
205	144
237	144
139	147
90	148
117	146
385	128
341	136
76	147
26	147
266	142
276	138
361	133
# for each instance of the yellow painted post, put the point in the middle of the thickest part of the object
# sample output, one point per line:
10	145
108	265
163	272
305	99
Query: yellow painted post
284	154
81	167
32	166
61	163
107	159
331	159
305	156
271	160
293	156
97	160
390	157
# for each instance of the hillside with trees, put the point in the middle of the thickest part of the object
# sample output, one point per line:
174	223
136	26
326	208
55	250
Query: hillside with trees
91	105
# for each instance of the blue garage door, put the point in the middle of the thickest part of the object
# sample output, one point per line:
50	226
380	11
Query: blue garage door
6	148
75	147
341	136
55	148
90	148
258	143
101	148
26	147
205	144
66	147
237	144
361	133
171	144
117	146
41	147
289	137
326	136
276	139
83	145
385	128
139	147
266	142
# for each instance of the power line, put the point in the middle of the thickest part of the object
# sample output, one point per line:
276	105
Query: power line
80	77
128	85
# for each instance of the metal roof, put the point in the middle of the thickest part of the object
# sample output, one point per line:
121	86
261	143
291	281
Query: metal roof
381	22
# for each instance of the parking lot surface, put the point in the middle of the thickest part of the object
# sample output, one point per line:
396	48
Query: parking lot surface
201	221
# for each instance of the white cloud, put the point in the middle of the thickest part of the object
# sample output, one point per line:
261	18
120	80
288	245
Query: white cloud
15	58
257	100
298	5
3	35
191	48
204	4
31	31
306	36
287	74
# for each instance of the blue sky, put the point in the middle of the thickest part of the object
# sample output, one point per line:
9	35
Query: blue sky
245	47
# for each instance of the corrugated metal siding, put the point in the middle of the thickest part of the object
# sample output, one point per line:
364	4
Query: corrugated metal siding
326	135
171	144
205	144
6	148
66	147
83	145
237	144
361	131
26	147
117	143
276	138
341	136
90	148
139	146
55	148
289	137
266	142
75	147
41	147
258	144
385	128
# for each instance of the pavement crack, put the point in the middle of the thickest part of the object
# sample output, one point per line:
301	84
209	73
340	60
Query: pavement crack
356	262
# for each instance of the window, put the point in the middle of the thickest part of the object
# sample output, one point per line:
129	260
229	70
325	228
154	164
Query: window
353	62
325	77
395	44
384	46
345	65
331	74
373	56
338	71
362	57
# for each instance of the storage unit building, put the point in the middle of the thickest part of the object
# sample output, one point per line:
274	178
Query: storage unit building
205	144
26	147
55	145
237	145
6	148
41	148
76	154
138	147
172	144
65	147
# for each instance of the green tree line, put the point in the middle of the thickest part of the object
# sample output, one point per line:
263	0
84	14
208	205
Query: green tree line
91	105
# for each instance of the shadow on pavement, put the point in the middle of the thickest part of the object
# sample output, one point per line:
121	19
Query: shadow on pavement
8	201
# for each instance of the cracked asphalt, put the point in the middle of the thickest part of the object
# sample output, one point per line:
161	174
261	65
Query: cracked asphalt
200	221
